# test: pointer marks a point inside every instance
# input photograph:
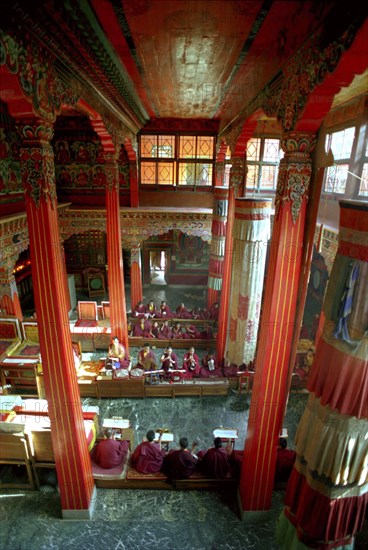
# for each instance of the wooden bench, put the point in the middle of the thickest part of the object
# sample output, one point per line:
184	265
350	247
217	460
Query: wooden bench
14	450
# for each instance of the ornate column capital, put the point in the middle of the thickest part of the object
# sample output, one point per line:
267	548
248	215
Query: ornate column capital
37	160
111	170
237	172
295	171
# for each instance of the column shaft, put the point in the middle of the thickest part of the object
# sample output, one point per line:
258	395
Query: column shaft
135	276
217	250
118	317
72	459
277	321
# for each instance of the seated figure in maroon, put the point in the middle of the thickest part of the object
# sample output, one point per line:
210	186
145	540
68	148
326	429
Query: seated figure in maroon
210	366
110	453
169	360
181	463
177	331
165	332
215	462
284	462
146	358
155	330
191	363
151	310
182	312
206	333
148	456
139	310
214	311
142	328
191	332
164	311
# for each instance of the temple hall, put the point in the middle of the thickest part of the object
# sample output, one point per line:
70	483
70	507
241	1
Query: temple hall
183	275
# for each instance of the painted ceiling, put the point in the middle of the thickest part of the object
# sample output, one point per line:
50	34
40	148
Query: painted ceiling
193	59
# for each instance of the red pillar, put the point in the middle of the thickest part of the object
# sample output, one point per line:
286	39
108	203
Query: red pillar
65	279
226	281
118	317
73	464
275	335
217	251
135	276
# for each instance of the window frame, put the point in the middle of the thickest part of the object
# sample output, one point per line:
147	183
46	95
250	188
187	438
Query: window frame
177	160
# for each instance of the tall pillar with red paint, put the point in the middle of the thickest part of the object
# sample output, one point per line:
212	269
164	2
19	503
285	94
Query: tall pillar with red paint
275	335
217	250
73	463
327	495
133	181
226	282
251	232
135	276
118	316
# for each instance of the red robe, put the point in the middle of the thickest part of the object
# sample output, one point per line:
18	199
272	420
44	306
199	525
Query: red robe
191	332
179	464
191	365
147	458
207	371
166	364
215	463
284	464
151	311
146	362
164	313
139	311
110	453
142	332
165	332
183	313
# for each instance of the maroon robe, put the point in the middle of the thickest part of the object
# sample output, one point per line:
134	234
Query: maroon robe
147	458
183	313
177	332
110	453
147	362
284	464
164	313
191	332
206	371
166	364
214	312
215	463
139	311
151	311
191	365
179	464
142	332
165	332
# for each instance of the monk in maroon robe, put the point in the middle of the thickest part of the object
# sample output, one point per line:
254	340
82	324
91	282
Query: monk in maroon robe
148	456
182	463
164	312
110	453
210	366
284	461
214	311
214	462
169	360
139	310
151	310
191	332
117	354
177	331
146	358
182	312
142	329
191	363
165	332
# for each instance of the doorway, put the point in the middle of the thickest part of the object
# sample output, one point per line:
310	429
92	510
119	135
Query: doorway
158	266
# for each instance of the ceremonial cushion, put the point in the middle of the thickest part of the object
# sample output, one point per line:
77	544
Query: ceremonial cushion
118	472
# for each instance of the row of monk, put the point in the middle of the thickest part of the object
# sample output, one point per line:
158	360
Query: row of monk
146	360
150	311
144	328
216	462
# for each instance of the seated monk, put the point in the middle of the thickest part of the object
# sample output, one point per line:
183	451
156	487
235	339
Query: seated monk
151	310
142	328
165	332
155	330
117	354
196	313
210	366
148	456
214	462
181	463
146	358
139	310
182	312
110	453
191	332
164	312
284	462
177	331
191	363
214	311
206	333
169	360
